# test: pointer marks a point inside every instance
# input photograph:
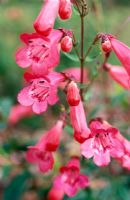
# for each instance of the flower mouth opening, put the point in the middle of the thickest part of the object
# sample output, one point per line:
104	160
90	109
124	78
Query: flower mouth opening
39	90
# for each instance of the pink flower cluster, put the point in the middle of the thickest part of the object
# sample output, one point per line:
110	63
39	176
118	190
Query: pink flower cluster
98	140
40	53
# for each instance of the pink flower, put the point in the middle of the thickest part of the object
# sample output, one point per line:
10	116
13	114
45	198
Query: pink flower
42	53
73	96
41	91
42	153
122	52
70	180
18	112
102	144
125	159
57	191
65	10
78	120
44	23
120	75
66	44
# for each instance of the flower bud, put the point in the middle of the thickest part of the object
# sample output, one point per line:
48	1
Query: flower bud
66	44
106	46
65	9
73	96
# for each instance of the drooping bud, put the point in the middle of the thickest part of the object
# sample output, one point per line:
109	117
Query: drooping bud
73	96
66	44
65	9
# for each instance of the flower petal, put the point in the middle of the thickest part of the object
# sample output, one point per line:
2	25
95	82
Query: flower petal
39	107
102	158
23	97
47	164
87	148
22	58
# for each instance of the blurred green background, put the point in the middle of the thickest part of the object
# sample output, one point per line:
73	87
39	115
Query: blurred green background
18	180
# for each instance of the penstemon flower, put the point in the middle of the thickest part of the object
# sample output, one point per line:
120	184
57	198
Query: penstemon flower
41	91
70	180
102	143
42	153
41	53
18	112
57	190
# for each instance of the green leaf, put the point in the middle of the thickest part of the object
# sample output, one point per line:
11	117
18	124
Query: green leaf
16	187
72	57
69	129
5	105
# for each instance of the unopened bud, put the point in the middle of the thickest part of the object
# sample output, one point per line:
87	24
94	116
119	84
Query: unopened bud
73	96
66	44
65	10
106	46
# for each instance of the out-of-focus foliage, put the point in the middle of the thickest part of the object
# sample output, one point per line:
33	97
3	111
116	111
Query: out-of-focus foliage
18	179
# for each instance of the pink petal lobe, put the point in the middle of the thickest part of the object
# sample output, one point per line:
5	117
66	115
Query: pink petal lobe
47	164
87	149
31	154
83	181
101	158
22	57
23	97
39	107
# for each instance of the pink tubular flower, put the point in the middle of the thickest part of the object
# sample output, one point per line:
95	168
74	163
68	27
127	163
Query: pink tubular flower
42	153
78	119
70	180
44	23
66	44
42	53
125	159
65	10
18	112
122	52
120	75
57	191
102	144
73	96
41	91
